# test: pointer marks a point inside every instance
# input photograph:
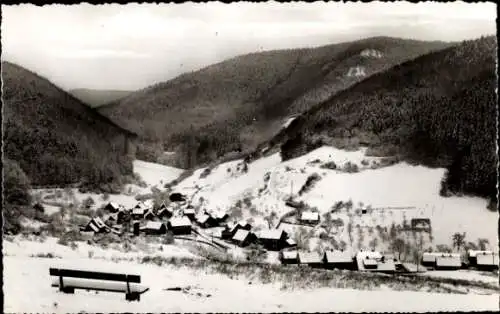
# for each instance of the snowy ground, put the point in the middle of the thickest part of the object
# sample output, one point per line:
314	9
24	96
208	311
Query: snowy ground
209	293
387	189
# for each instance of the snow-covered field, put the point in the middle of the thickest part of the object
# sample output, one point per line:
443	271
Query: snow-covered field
154	175
208	293
398	186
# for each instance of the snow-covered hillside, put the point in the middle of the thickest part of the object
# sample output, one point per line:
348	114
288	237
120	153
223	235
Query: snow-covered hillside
395	193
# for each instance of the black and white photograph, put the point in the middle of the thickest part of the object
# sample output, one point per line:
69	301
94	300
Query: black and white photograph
256	157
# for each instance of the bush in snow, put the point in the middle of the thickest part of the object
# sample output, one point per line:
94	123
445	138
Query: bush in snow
329	165
311	180
205	173
350	167
255	254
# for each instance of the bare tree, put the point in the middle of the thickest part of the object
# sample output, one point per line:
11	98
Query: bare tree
458	240
482	243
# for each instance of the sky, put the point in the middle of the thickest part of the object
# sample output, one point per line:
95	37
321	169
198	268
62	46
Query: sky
129	47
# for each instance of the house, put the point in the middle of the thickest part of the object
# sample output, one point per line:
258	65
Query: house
205	221
486	261
179	225
244	238
149	215
220	216
312	259
112	207
421	224
448	262
485	257
189	213
155	228
138	213
96	225
429	259
273	239
339	259
309	217
289	257
367	260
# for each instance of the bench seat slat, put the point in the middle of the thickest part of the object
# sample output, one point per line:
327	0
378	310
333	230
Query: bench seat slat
92	284
94	275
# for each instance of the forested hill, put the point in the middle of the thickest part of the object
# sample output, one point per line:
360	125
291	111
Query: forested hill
98	97
55	138
439	110
238	103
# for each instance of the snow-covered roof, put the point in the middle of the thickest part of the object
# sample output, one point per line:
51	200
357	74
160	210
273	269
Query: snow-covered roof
114	205
449	261
487	259
99	223
219	214
148	203
240	223
309	215
138	211
290	254
290	241
309	257
370	262
241	235
474	253
202	218
271	234
180	221
387	265
338	256
154	225
369	254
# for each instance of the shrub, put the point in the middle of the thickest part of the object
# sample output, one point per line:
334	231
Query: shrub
329	165
350	167
205	173
169	238
311	180
255	253
105	196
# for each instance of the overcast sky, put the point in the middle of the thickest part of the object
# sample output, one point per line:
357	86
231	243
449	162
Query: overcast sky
132	46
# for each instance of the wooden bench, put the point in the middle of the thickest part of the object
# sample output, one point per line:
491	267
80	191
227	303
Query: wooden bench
70	279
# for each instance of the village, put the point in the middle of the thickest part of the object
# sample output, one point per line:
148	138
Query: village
181	220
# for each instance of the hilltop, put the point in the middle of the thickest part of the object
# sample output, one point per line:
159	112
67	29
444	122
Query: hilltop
236	104
97	97
438	110
54	137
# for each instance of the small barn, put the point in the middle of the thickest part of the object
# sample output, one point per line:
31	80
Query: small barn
311	259
189	213
289	257
448	262
155	228
367	260
487	257
339	259
309	217
273	239
243	238
179	225
205	221
429	259
112	207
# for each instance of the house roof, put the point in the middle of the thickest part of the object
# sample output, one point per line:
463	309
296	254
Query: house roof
114	205
241	235
290	254
240	223
149	212
138	211
93	226
309	215
369	254
370	262
474	253
387	265
189	211
448	261
487	259
154	225
180	222
338	257
99	223
291	242
202	218
271	234
309	257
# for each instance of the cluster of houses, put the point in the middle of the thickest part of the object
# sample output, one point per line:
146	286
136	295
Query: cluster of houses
373	261
158	221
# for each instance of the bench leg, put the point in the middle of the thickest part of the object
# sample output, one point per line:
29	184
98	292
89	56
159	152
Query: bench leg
132	296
